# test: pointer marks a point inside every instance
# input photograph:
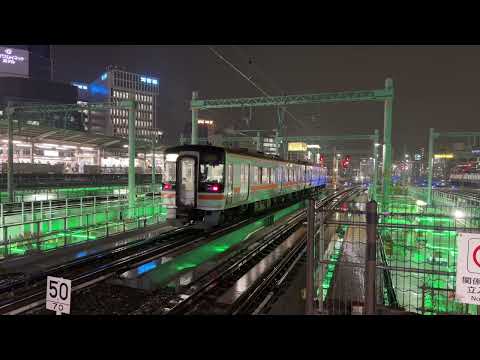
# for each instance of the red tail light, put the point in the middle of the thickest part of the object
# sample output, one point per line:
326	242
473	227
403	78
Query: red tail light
167	186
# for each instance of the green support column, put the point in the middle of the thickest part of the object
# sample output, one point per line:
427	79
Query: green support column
283	149
132	116
431	142
376	144
9	113
335	168
387	144
194	121
153	162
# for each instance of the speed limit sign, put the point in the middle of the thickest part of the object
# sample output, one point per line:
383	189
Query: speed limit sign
59	292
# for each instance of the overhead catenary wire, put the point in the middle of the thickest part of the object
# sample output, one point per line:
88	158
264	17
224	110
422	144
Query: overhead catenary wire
249	79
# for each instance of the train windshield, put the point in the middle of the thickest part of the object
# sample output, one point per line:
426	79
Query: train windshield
211	172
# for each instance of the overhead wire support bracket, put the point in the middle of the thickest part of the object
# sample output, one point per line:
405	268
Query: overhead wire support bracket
347	96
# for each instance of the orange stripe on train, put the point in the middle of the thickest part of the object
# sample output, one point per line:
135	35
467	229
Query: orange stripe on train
211	197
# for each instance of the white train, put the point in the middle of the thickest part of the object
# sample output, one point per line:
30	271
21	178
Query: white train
210	183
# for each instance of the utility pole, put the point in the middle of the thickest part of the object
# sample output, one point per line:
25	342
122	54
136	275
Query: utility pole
132	115
387	143
9	112
194	120
375	163
431	140
259	144
153	160
335	168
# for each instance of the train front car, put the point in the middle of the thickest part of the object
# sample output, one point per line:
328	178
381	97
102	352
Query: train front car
195	184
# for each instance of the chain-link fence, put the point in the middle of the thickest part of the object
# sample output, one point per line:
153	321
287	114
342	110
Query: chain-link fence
412	255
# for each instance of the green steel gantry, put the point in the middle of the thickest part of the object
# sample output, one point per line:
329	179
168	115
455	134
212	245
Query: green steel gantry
386	95
131	105
431	144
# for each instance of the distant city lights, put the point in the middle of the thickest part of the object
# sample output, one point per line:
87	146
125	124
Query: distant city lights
443	156
80	86
205	122
149	80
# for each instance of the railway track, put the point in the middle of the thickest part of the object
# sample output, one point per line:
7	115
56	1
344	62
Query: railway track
19	294
272	261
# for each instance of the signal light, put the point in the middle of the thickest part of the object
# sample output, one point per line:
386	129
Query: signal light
167	186
215	188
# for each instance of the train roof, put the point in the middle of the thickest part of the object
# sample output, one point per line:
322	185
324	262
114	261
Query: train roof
212	148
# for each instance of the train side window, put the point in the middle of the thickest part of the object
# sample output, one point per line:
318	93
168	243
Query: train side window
255	175
265	176
272	175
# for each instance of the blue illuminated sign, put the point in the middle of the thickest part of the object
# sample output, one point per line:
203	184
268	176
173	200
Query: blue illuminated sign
98	89
104	76
149	80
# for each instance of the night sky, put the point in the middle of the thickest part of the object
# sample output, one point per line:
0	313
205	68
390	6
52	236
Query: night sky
435	86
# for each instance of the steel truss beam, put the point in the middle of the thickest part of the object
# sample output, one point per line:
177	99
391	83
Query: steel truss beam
27	109
345	96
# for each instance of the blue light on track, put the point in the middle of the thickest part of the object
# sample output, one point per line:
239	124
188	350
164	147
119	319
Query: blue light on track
146	267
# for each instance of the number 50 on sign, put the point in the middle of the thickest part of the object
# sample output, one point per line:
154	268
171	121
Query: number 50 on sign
59	294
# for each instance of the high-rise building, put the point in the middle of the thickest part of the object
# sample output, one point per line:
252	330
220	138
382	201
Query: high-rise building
117	85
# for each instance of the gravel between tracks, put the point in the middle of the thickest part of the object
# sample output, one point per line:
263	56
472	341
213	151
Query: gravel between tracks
110	299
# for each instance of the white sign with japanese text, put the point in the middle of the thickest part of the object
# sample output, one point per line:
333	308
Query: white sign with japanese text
468	269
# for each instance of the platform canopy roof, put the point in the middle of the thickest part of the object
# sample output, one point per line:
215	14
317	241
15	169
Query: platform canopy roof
67	136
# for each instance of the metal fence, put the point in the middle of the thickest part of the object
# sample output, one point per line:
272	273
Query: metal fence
401	259
45	225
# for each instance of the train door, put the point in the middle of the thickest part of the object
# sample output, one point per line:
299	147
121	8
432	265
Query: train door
186	182
244	181
229	185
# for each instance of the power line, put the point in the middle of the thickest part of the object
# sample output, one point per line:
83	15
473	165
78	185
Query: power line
262	73
265	77
239	71
249	79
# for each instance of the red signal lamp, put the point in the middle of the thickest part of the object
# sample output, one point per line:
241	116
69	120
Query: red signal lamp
167	186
